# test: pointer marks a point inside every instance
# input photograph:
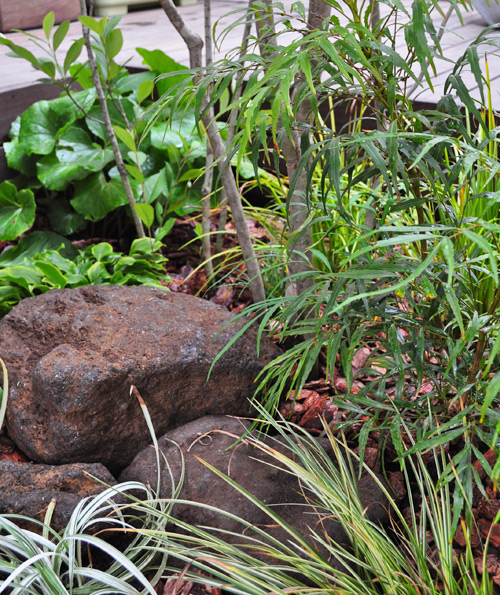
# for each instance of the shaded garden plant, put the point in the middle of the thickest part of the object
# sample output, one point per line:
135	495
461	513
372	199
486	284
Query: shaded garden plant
43	261
62	151
413	555
404	245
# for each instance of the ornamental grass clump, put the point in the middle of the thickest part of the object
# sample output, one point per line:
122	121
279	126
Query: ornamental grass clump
77	560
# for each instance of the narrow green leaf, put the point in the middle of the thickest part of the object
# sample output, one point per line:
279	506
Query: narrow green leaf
495	350
396	349
92	24
126	137
21	52
73	53
437	440
486	247
396	430
491	393
192	174
60	34
449	255
135	172
48	24
455	306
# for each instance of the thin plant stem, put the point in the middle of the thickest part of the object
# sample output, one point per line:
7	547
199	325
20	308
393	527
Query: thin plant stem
109	128
206	189
194	44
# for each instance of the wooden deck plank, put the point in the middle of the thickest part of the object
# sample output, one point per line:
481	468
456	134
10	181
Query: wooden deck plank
144	28
151	29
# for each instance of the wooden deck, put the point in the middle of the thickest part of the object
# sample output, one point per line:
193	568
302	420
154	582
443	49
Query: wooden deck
151	29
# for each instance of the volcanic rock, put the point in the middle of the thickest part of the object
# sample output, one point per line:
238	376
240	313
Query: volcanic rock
215	440
72	356
27	489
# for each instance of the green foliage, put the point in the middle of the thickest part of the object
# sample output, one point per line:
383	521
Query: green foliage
17	211
80	558
57	563
62	150
415	556
403	210
41	262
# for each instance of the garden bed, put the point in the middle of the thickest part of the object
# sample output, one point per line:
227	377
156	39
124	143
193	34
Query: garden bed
376	250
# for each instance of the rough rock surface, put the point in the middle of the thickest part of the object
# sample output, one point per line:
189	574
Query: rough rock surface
72	356
28	489
212	439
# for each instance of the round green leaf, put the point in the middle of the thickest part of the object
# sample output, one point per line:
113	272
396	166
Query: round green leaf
41	123
95	197
17	211
57	175
76	147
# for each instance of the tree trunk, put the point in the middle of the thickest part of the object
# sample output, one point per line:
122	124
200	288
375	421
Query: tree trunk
195	44
300	259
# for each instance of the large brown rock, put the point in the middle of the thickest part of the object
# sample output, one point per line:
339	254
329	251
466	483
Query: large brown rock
27	490
72	356
214	439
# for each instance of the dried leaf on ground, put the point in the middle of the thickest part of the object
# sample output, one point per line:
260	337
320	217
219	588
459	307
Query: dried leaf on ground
8	450
224	295
340	384
359	358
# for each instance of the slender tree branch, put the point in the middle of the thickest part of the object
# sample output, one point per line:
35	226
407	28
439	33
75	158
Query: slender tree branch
192	40
206	194
301	235
109	128
234	200
233	117
209	57
206	189
194	44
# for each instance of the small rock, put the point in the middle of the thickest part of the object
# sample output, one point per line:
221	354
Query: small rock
28	489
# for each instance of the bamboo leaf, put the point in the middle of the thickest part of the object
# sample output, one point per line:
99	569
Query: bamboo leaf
492	391
455	306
